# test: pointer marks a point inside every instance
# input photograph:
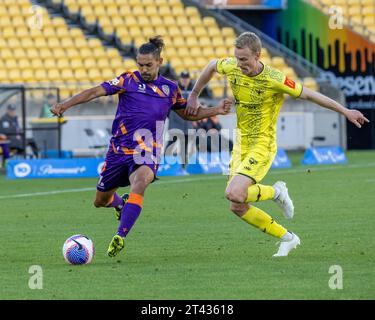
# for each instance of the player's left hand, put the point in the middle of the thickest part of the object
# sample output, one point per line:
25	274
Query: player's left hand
58	109
356	117
225	105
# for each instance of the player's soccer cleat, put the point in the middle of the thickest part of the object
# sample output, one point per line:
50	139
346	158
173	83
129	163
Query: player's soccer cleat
116	245
283	200
125	197
286	246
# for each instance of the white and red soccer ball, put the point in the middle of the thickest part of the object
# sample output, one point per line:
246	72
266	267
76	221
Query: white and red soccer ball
78	249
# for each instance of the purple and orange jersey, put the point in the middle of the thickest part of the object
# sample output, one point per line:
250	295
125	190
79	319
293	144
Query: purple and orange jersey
142	108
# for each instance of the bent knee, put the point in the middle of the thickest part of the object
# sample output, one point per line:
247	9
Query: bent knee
236	195
100	203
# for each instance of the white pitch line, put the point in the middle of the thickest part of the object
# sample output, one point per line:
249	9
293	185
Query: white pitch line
191	179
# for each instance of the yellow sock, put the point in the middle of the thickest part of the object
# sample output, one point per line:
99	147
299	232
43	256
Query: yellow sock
259	192
261	220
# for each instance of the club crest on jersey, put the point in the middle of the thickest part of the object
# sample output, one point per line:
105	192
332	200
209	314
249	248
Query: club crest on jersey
165	89
114	82
142	88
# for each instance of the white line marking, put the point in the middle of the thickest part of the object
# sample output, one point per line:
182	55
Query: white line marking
199	178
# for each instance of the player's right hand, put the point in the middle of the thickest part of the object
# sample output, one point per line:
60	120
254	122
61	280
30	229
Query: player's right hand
192	105
57	109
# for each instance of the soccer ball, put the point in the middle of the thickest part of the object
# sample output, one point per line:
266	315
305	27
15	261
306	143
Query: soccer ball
78	249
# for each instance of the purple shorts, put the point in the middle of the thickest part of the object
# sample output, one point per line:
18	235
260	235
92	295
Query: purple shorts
119	166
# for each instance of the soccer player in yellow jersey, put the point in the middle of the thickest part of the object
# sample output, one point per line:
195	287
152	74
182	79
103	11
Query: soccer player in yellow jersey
259	91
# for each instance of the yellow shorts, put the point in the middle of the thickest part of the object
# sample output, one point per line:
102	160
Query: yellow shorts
253	163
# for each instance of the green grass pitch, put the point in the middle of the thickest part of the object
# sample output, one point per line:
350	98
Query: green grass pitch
188	245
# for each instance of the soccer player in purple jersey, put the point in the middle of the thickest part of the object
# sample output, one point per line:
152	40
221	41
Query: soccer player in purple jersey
145	99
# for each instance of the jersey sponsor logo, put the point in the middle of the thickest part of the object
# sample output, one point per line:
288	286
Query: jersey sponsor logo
289	83
142	88
165	89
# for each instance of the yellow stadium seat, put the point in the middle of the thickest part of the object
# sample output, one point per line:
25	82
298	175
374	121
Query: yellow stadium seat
310	83
173	31
169	21
218	41
143	20
369	20
164	10
191	41
209	22
217	91
148	3
200	31
187	31
63	64
228	32
40	42
229	42
15	76
79	43
11	64
89	63
289	72
221	52
7	32
138	10
80	74
100	11
58	53
208	51
202	62
19	53
107	73
49	63
40	75
178	12
182	21
278	62
45	53
67	42
191	11
195	21
161	30
205	41
13	43
213	31
356	19
195	52
266	60
151	10
28	75
67	75
54	75
354	10
53	43
95	75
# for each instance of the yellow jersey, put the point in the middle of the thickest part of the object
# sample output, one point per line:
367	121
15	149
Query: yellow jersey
258	102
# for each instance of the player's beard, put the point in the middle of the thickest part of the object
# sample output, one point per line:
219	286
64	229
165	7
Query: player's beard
147	77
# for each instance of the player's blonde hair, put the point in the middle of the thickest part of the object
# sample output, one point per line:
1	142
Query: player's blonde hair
249	40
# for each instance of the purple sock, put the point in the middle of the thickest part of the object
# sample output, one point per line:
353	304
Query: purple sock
117	202
6	154
129	215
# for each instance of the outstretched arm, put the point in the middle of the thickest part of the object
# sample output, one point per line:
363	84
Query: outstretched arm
87	95
206	75
223	108
353	116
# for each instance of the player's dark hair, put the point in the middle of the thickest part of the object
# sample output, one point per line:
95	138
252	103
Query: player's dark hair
154	46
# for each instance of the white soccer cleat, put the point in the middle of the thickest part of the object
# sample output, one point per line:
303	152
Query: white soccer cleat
283	200
286	246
